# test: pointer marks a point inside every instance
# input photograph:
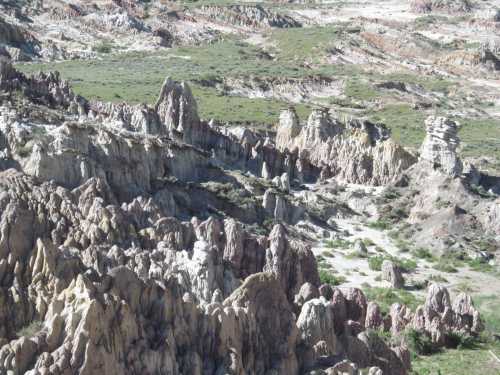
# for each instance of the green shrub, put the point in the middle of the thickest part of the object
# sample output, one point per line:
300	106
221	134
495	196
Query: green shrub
327	277
379	224
385	297
375	262
480	265
337	243
30	330
457	340
444	266
103	47
406	265
419	343
423	253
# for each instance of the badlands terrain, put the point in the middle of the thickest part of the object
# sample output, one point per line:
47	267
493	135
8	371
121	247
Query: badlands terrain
272	188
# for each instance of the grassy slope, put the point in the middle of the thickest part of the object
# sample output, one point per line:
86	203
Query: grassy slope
298	52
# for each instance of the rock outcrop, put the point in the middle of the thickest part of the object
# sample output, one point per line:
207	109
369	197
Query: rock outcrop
449	6
356	151
439	318
116	257
254	16
440	145
392	273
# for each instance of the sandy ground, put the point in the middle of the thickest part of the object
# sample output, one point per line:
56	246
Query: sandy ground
357	272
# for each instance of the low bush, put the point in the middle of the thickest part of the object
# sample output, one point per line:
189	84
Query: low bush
327	277
419	343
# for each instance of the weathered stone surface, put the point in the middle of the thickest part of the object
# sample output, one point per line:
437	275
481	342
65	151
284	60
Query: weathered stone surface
374	319
357	152
440	144
392	273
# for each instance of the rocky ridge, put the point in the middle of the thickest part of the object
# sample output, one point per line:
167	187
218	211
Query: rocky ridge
356	151
110	263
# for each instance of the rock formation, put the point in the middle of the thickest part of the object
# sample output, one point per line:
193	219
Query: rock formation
438	318
254	16
440	145
108	265
392	273
356	151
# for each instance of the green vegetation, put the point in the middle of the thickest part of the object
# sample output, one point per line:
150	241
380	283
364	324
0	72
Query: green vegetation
103	47
385	297
480	137
406	123
360	90
338	243
419	343
301	44
31	329
444	266
375	263
423	253
379	224
296	52
327	277
469	352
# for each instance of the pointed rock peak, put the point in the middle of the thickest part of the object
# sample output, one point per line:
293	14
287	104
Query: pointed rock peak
278	234
176	108
319	117
289	118
278	245
438	298
288	128
321	126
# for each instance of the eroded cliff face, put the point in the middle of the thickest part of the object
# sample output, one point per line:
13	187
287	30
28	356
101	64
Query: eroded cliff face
356	151
118	254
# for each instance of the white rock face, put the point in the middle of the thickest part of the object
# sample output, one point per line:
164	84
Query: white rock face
440	145
316	323
355	152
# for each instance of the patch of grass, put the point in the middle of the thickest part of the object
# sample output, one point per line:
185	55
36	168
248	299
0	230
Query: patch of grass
304	43
385	297
406	123
338	243
375	263
470	352
419	343
327	277
444	266
103	47
379	224
359	89
480	265
480	137
423	253
31	329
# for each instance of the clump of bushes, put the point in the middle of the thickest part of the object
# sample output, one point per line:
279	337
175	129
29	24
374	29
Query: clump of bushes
419	343
406	265
327	277
379	224
103	47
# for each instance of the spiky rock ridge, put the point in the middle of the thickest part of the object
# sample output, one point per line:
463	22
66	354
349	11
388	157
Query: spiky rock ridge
115	258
